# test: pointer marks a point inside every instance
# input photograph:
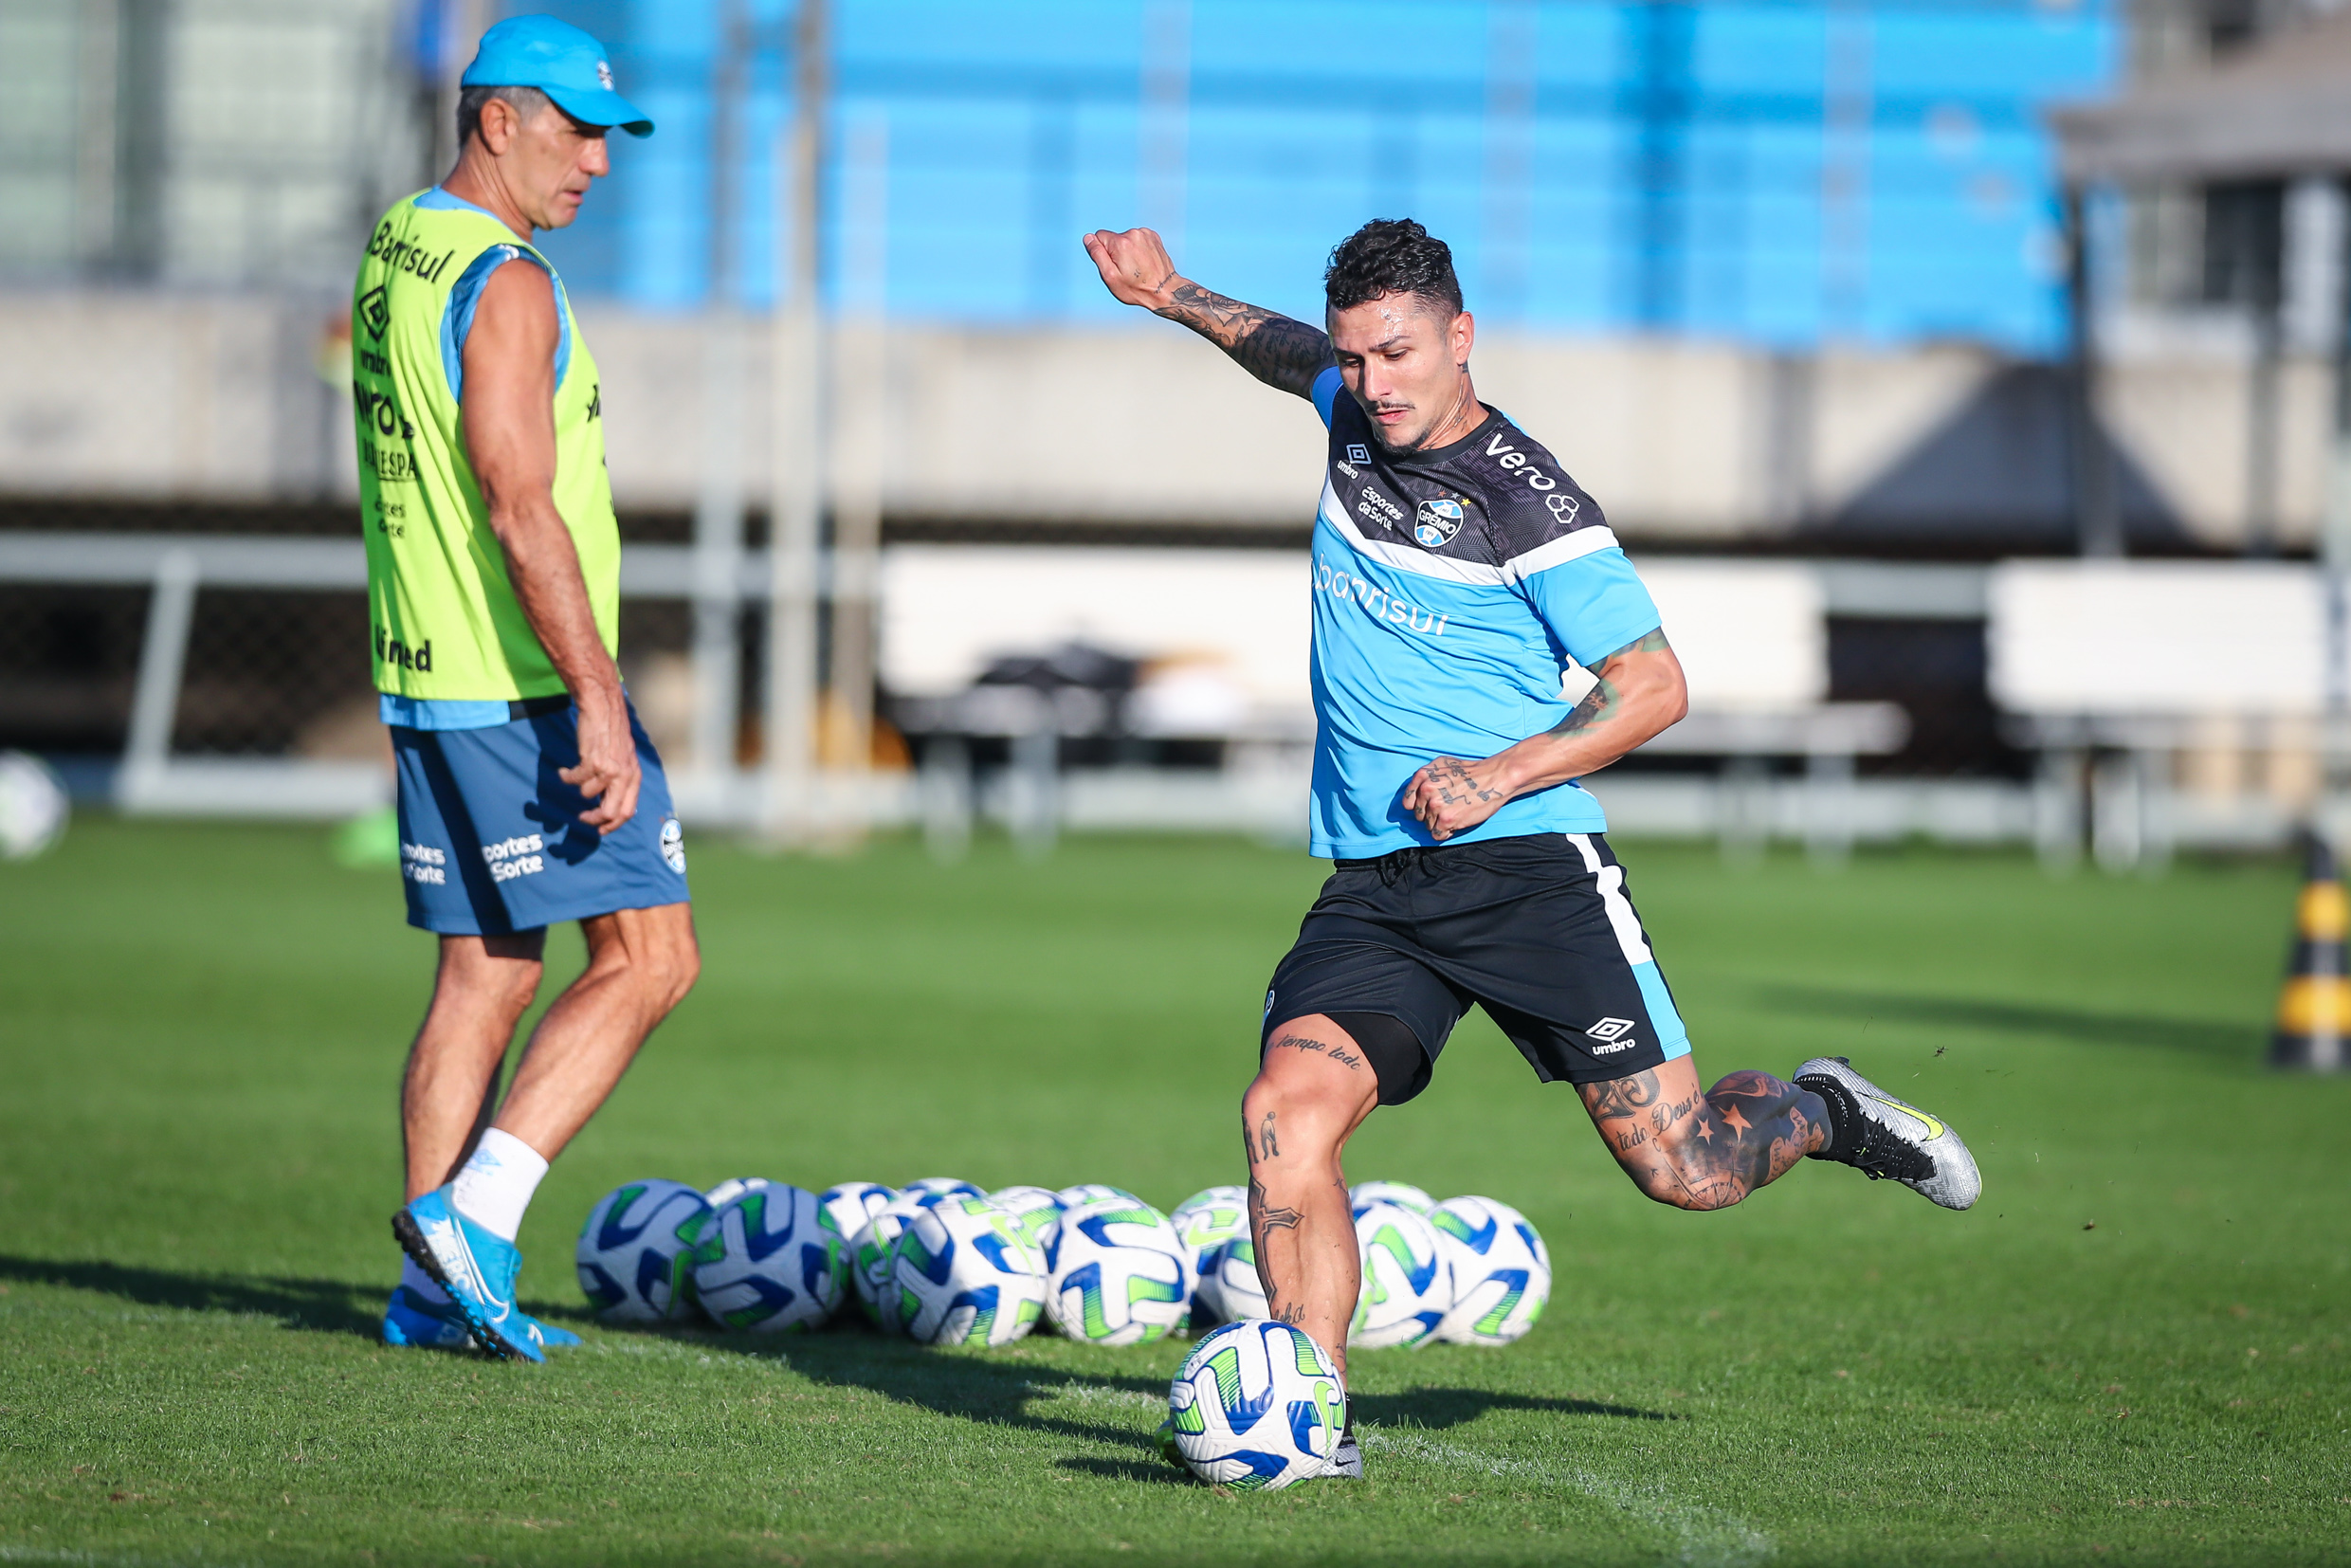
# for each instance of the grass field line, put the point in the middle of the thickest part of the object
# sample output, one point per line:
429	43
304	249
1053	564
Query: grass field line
1705	1538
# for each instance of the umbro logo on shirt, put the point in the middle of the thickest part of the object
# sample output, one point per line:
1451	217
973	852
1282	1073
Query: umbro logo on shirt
1358	452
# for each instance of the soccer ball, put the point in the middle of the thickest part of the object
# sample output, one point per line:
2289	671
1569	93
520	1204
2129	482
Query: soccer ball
932	1189
33	806
1204	1222
1231	1289
764	1261
634	1260
869	1258
1406	1287
1402	1193
732	1188
1093	1192
964	1276
1120	1275
1257	1406
1502	1271
844	1208
1035	1211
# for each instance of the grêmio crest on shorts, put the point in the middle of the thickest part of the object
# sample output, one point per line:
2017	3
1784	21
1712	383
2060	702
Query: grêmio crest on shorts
1489	498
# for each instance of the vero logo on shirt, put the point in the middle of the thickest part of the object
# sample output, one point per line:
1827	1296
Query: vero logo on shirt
1511	458
1376	601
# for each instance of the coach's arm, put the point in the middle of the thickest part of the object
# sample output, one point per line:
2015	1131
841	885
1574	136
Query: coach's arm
508	411
1278	351
1638	693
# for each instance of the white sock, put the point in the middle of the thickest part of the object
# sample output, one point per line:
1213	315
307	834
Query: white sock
423	1283
497	1183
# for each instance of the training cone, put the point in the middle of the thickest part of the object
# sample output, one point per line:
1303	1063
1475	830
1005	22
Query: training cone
2314	1008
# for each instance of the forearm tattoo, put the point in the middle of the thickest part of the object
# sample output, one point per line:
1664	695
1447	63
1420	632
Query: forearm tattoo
1705	1151
1274	348
1601	702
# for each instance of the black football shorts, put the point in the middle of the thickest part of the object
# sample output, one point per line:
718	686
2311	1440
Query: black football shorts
1536	930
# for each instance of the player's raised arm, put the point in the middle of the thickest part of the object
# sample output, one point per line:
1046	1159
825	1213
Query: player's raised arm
1278	351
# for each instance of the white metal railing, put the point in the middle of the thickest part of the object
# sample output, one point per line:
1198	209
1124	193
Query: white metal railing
1828	737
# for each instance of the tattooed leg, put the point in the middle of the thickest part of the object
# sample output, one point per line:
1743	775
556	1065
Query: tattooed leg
1710	1149
1312	1090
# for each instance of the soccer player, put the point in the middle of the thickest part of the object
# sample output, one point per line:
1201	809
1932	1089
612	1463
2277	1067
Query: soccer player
528	792
1457	571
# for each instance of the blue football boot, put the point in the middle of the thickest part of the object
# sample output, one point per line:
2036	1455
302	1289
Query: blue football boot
551	1336
410	1320
476	1269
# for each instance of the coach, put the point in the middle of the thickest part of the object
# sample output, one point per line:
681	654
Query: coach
528	792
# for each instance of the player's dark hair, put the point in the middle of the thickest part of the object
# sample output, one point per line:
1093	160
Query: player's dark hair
528	102
1392	256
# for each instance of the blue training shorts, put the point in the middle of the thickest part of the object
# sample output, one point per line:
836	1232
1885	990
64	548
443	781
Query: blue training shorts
491	841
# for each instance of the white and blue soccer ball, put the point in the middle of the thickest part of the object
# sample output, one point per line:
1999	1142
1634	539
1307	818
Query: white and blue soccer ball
634	1258
1232	1290
732	1188
1204	1222
1502	1271
1120	1276
963	1276
1408	1287
1035	1211
934	1189
844	1207
1402	1193
763	1260
870	1258
1092	1191
1257	1406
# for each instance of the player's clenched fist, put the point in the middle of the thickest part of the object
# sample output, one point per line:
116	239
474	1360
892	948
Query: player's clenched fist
1451	796
1134	265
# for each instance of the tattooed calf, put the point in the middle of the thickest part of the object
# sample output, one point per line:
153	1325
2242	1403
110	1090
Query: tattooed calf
1705	1151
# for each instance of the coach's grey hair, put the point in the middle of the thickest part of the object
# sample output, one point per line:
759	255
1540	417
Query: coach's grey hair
529	102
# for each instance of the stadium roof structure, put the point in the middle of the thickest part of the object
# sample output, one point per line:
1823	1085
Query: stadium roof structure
2278	108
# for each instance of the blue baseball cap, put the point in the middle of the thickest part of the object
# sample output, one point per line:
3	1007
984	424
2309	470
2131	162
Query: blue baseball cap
560	60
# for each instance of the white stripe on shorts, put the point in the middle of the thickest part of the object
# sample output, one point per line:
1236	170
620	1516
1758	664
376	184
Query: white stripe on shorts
1620	915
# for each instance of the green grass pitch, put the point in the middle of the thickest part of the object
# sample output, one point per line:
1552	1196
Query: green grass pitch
2132	1351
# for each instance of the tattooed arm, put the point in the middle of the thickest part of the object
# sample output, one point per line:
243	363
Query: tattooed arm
1638	692
1281	353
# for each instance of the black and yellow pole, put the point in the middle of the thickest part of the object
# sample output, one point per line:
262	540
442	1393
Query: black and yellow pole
2314	1008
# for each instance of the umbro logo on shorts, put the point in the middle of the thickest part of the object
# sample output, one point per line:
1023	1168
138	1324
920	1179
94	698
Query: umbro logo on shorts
1614	1035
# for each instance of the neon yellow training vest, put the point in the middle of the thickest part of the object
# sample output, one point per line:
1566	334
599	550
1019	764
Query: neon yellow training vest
442	615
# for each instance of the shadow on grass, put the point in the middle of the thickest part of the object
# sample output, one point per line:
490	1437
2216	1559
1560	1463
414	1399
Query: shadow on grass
1435	1409
320	1306
2226	1042
970	1387
1157	1472
314	1307
984	1388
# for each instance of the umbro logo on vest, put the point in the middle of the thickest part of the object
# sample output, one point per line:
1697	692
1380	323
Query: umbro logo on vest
375	312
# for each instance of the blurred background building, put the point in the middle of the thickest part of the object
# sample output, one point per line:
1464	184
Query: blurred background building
1792	286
